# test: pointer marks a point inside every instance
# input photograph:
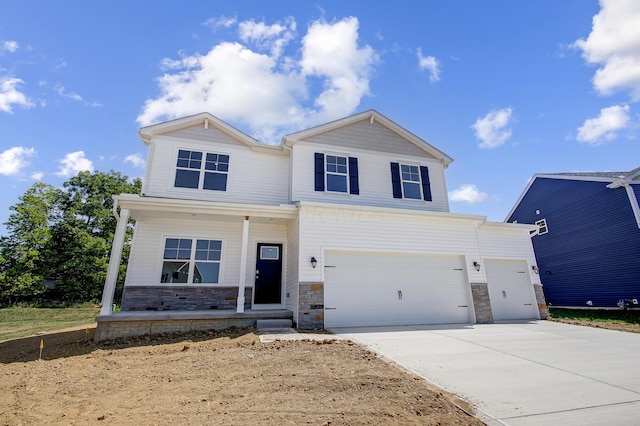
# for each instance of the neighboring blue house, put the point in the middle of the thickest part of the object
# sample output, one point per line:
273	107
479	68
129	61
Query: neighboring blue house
588	244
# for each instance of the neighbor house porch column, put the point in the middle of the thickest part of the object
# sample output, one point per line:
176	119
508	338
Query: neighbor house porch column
114	262
243	264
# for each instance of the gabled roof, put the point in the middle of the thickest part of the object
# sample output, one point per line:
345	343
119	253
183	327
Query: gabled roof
371	115
615	179
206	119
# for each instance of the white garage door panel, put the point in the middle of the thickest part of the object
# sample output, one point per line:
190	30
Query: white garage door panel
394	289
510	290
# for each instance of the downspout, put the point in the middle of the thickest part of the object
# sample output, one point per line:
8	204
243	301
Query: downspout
631	195
634	202
479	225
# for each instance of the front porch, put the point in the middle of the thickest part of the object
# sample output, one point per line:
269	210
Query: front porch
132	323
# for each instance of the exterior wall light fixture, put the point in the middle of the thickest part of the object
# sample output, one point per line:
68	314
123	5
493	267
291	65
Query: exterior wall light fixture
476	265
314	262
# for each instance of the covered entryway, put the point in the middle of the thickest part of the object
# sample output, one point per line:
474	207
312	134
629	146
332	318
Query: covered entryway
370	288
510	290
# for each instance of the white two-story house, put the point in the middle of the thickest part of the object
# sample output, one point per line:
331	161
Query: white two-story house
343	224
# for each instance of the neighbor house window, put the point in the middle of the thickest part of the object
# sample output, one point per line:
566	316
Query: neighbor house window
336	173
188	261
201	170
542	226
410	182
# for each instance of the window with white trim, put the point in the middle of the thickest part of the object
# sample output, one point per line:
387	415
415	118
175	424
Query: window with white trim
542	227
336	173
191	261
410	176
201	170
410	181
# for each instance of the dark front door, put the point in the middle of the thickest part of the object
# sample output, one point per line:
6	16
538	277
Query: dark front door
268	286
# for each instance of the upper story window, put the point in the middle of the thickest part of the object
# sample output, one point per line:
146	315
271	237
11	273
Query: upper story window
542	226
410	182
201	170
185	262
336	173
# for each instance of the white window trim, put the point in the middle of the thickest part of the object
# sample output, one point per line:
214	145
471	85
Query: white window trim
192	260
419	182
540	224
327	173
201	172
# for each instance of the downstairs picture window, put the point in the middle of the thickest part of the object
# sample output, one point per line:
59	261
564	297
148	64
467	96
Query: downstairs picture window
191	261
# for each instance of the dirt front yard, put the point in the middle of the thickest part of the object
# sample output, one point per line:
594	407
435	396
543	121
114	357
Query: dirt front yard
227	378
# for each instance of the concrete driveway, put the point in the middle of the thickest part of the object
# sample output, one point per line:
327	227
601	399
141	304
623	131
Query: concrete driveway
522	373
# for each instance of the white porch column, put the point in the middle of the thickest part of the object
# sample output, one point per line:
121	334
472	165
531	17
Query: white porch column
114	263
243	264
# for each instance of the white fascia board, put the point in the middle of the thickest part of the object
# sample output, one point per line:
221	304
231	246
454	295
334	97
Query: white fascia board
135	202
511	226
394	211
149	132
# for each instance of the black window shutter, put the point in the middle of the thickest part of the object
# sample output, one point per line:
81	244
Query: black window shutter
395	180
354	187
426	184
319	169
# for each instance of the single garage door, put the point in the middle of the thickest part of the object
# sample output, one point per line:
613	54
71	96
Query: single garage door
364	288
510	290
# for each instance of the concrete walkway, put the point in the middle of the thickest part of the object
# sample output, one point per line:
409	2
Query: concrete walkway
522	373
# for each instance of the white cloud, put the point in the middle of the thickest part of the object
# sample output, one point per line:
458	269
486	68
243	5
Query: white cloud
468	193
270	37
331	51
269	92
604	127
60	90
13	160
37	175
220	22
74	162
10	95
431	64
9	46
614	45
492	129
135	159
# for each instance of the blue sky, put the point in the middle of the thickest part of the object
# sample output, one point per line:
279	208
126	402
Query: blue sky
507	88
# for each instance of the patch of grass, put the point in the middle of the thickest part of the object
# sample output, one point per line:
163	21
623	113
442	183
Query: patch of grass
597	315
16	322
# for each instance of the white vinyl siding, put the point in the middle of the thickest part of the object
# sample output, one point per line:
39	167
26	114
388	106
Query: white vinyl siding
291	284
254	177
326	228
374	179
145	261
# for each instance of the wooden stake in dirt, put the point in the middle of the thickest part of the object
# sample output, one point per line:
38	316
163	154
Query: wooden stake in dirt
86	339
41	347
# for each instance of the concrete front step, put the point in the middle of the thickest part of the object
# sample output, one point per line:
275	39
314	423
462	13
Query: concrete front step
265	324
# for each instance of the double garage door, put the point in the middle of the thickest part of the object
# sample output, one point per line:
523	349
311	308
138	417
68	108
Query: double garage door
364	288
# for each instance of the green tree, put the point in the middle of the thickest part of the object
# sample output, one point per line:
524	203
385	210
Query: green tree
24	250
63	234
